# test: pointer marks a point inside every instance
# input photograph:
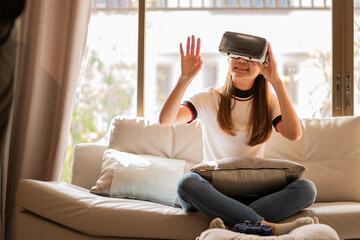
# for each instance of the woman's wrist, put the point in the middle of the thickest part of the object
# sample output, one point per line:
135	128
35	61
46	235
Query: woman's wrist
184	79
277	83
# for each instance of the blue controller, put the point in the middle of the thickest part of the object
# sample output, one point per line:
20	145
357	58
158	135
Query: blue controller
248	228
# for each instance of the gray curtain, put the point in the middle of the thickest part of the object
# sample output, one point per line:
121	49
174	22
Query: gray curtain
52	37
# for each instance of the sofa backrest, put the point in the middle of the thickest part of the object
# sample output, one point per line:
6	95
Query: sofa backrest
141	136
329	148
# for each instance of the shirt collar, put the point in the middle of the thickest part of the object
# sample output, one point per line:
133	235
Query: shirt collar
243	95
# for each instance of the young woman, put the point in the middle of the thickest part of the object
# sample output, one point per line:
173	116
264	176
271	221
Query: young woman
237	120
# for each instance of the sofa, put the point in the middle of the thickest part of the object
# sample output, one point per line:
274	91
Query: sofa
56	210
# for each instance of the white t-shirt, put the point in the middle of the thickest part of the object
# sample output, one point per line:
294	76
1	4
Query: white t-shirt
217	144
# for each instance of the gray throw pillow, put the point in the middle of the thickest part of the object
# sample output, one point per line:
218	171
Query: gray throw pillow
238	176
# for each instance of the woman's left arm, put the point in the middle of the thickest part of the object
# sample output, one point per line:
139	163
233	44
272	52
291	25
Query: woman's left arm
290	126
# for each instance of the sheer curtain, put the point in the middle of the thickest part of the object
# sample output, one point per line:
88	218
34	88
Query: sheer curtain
51	44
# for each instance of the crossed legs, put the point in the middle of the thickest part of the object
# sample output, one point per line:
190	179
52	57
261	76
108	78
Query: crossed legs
196	193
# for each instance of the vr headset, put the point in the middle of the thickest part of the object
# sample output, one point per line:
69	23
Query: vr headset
238	45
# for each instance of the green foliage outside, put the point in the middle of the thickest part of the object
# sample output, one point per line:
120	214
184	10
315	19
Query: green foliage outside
106	90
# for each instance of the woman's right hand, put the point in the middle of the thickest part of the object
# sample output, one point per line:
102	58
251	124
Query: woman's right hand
191	62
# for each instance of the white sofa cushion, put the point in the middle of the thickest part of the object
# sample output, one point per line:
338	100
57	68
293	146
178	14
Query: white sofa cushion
141	136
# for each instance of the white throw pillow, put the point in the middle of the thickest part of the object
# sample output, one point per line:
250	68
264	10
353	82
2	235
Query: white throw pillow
142	177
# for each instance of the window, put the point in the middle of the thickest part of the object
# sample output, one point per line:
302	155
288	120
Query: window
300	32
163	73
303	53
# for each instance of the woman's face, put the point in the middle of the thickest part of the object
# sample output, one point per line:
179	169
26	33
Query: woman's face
243	70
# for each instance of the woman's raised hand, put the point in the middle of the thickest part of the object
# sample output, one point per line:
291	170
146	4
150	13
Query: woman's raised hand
270	71
191	62
172	113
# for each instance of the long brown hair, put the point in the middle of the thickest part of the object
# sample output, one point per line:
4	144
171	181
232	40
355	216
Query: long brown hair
260	124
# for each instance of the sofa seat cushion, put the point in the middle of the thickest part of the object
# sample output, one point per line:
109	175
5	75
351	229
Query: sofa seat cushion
76	208
343	217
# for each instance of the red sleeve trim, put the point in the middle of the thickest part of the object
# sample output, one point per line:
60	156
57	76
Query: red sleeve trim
277	125
192	114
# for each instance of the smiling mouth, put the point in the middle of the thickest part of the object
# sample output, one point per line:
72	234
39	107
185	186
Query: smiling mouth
242	69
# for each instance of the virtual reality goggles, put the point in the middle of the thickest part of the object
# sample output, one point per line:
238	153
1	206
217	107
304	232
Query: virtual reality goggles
238	45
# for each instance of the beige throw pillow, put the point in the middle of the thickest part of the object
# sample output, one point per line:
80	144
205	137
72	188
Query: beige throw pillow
239	176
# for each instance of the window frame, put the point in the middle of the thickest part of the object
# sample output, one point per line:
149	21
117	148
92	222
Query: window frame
342	58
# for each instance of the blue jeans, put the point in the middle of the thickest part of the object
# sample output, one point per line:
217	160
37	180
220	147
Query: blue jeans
196	193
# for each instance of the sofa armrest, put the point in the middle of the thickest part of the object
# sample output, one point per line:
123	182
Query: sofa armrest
87	160
59	202
78	209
